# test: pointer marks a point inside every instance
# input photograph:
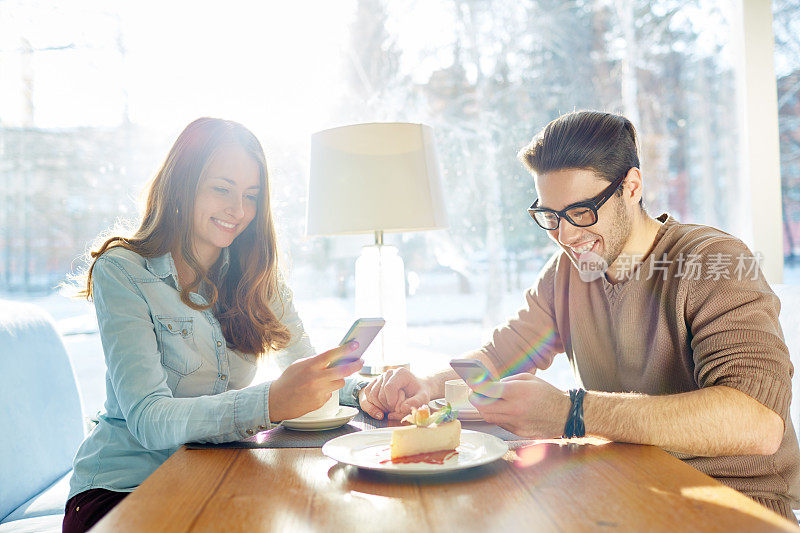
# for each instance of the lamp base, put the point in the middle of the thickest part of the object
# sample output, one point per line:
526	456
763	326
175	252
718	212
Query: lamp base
380	291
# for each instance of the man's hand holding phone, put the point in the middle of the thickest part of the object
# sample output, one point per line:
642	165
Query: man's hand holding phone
522	404
477	377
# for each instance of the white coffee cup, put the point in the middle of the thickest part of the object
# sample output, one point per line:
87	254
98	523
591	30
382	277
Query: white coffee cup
456	393
328	410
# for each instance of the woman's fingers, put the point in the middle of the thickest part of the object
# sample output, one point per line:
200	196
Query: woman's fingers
334	355
371	409
371	393
368	401
339	372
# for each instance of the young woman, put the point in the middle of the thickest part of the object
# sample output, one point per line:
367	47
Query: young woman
186	307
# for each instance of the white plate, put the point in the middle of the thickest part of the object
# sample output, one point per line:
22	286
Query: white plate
345	415
369	449
463	414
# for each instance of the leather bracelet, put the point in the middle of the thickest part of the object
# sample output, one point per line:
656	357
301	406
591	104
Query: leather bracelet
574	426
579	427
568	425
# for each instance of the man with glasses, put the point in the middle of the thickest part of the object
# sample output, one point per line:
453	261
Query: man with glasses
670	327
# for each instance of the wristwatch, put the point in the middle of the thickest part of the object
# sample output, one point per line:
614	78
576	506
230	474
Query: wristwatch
357	390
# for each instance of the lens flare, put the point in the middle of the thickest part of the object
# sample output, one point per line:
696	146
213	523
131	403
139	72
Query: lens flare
528	356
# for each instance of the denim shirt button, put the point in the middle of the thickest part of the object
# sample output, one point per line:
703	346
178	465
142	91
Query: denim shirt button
219	343
223	377
249	432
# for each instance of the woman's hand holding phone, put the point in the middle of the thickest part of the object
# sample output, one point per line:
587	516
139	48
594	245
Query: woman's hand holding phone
363	331
307	383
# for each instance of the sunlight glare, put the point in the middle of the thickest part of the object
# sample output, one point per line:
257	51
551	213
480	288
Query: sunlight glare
273	66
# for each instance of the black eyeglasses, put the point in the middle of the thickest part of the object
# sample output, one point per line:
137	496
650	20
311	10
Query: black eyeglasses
581	214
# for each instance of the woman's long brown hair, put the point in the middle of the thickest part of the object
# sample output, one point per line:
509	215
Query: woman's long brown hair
240	298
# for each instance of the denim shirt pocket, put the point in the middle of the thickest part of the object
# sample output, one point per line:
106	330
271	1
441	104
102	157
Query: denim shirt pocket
176	341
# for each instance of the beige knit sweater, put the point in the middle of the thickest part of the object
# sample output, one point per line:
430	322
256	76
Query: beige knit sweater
696	312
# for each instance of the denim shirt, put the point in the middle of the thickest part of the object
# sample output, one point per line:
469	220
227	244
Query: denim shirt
170	376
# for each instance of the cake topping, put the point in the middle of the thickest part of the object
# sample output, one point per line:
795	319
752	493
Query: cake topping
422	417
430	433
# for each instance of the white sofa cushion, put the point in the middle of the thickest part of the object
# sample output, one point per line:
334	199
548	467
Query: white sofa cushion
50	501
37	524
41	419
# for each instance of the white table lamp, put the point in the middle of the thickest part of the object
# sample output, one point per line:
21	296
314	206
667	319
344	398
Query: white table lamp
376	178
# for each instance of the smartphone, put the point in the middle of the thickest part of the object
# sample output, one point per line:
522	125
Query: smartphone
363	330
477	376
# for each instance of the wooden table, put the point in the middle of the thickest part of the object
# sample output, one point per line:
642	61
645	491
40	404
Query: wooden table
547	486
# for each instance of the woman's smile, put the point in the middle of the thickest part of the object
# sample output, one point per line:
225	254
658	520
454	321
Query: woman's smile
225	226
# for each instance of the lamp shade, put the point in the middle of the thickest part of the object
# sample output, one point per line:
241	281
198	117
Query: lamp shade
370	177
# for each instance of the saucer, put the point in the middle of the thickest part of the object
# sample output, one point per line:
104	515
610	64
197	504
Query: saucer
342	417
463	414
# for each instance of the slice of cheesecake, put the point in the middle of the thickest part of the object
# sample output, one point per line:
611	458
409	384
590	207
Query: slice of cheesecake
413	440
429	433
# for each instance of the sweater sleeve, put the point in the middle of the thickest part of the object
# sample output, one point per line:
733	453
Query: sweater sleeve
736	338
531	339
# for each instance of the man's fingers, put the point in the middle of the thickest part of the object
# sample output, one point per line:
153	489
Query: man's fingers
492	389
416	401
486	404
394	415
504	422
383	401
401	397
492	415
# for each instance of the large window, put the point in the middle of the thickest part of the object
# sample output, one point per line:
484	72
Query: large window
786	24
93	93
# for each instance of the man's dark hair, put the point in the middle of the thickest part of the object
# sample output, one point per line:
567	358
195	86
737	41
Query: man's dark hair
602	142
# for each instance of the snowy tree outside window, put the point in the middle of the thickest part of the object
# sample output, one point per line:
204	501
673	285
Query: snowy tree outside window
92	94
